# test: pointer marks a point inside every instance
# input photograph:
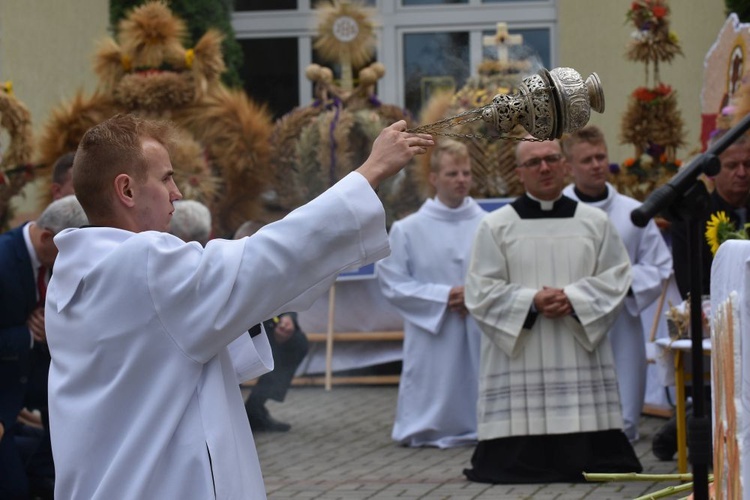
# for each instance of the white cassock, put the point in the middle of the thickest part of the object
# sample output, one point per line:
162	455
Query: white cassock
148	337
557	376
438	389
651	264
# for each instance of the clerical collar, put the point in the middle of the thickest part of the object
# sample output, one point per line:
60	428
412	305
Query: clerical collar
591	199
529	208
545	205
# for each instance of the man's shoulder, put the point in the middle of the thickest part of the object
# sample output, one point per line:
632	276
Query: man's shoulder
626	201
591	215
408	220
500	216
11	240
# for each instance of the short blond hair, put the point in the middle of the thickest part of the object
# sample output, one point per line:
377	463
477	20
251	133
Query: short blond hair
591	135
444	147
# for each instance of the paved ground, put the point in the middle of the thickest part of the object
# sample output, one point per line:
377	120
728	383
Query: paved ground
340	448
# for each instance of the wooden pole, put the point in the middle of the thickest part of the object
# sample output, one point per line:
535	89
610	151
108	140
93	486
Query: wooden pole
329	337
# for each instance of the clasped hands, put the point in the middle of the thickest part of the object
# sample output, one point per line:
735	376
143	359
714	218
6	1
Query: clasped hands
35	324
456	301
552	302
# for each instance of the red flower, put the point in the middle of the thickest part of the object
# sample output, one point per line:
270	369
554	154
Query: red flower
663	89
629	162
643	94
659	11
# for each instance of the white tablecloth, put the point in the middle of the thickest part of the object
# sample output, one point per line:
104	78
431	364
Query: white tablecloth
359	307
665	356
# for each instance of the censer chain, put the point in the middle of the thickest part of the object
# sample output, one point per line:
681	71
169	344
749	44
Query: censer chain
469	116
472	115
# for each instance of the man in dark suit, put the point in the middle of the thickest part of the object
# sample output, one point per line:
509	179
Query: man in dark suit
289	346
27	254
730	195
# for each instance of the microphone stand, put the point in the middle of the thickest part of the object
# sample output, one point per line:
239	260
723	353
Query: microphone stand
684	197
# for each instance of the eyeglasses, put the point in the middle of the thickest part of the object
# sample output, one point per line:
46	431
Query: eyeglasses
536	162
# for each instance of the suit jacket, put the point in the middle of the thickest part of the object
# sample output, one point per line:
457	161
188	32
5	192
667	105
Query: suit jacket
17	301
680	245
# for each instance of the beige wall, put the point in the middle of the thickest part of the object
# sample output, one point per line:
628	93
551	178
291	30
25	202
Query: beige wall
46	50
594	37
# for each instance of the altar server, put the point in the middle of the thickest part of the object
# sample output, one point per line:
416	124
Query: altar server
424	279
149	334
546	280
650	262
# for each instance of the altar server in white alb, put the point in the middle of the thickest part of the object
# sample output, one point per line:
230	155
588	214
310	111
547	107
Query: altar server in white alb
149	334
650	261
424	279
546	280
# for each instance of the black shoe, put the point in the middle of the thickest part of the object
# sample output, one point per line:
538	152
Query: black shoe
266	423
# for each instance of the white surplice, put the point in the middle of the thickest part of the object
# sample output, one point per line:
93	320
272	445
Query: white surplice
558	376
651	264
148	337
438	389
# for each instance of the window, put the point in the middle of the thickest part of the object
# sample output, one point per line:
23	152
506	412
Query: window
254	5
424	44
433	61
268	72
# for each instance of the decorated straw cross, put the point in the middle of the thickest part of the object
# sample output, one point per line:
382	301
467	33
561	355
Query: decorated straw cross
503	40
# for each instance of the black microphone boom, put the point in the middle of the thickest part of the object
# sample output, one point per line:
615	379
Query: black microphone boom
707	163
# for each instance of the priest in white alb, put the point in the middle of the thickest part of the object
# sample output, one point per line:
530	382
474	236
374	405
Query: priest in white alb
424	279
650	260
546	281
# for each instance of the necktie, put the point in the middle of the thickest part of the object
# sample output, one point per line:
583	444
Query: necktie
41	285
742	216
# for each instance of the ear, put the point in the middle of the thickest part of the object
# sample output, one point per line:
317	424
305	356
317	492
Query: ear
432	178
124	190
46	237
567	169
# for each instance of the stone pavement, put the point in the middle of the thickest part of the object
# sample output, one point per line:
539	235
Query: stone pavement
340	448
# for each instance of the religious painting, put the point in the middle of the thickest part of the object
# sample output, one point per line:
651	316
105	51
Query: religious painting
724	69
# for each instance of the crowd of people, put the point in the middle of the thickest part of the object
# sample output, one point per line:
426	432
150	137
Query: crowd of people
522	328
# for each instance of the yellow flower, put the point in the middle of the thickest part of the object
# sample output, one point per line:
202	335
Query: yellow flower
189	58
720	229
